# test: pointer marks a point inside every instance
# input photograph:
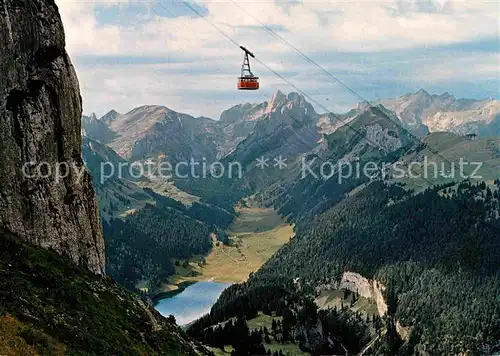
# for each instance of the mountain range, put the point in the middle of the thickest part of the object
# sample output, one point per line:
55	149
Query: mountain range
55	298
423	112
287	126
381	263
399	235
152	130
342	225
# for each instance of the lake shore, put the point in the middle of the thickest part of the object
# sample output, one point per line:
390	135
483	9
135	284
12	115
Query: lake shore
156	298
255	236
190	302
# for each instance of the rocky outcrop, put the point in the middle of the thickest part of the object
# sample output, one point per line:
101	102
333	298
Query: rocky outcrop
476	120
46	197
180	137
110	116
370	289
381	137
422	112
356	283
286	129
152	130
237	123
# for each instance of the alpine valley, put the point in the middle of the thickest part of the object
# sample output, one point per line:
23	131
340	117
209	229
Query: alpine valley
385	264
300	251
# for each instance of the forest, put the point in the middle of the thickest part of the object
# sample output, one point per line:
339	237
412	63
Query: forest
296	320
142	245
441	264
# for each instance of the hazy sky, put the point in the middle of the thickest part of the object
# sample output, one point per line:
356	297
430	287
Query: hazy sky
131	53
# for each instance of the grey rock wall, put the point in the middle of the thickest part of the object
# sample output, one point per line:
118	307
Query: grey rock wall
40	111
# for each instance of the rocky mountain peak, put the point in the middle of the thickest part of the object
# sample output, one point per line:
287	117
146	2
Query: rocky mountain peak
278	100
422	112
46	197
242	112
422	92
295	97
298	100
363	106
447	99
110	116
292	104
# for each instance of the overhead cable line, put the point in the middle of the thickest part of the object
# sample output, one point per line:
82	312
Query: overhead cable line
372	108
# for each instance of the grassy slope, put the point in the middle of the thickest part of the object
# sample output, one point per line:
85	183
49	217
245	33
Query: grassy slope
48	302
120	188
335	299
452	148
17	338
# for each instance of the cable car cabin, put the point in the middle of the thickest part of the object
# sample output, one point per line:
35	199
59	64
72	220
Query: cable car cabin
247	81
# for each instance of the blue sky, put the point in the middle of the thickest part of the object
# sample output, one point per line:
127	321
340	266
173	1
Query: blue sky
131	53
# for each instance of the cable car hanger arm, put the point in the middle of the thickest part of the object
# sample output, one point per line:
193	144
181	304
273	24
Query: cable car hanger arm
247	52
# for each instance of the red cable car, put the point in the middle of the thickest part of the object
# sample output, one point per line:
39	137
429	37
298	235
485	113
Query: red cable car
247	81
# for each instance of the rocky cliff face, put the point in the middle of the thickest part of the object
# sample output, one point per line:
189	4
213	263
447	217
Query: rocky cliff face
237	123
153	130
422	112
370	289
356	283
287	128
477	120
40	111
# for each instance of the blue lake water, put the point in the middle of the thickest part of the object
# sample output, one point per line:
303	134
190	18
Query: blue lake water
192	303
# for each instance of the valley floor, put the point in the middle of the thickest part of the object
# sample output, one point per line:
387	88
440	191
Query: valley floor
255	236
